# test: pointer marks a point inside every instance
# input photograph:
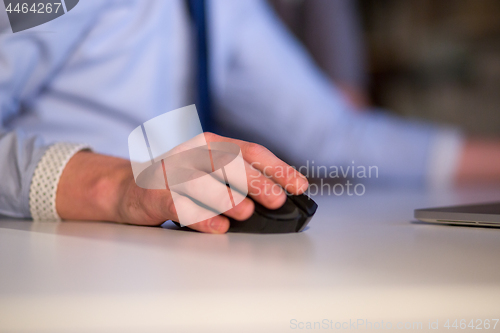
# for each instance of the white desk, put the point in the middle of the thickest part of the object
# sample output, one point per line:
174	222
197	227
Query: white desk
361	258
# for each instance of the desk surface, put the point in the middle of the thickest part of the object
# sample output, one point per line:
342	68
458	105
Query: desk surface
361	258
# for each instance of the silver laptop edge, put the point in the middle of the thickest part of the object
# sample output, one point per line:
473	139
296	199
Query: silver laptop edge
441	215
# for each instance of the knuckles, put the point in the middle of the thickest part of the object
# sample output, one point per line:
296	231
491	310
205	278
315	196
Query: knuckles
255	149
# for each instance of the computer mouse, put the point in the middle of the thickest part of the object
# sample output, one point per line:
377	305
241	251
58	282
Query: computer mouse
293	216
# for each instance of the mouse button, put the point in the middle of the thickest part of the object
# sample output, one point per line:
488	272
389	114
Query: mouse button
286	212
305	203
280	226
254	224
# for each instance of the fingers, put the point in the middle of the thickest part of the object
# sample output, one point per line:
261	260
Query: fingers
197	217
175	207
263	160
215	225
243	178
266	174
213	194
264	190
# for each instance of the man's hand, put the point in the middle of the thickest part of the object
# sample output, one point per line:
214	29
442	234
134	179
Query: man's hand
99	187
480	162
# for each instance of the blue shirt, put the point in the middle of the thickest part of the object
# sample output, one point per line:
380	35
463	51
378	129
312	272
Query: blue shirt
99	71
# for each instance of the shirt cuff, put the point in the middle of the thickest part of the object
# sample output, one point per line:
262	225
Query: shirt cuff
446	149
42	197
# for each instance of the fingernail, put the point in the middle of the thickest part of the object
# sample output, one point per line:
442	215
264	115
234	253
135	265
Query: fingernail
300	183
304	185
217	224
303	178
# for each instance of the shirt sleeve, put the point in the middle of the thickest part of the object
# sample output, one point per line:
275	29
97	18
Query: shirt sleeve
30	171
19	156
333	34
43	188
268	90
28	61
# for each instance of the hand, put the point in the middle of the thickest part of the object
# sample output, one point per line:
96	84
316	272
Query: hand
480	162
356	97
99	187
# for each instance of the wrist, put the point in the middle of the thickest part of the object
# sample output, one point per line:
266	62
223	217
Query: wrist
92	187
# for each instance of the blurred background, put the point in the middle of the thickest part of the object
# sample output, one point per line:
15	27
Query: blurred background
426	59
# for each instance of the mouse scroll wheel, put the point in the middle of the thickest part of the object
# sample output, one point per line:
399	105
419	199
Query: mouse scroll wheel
286	212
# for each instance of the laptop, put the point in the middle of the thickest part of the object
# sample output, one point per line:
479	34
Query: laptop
487	215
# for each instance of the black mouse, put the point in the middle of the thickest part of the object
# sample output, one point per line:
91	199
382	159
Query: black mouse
293	216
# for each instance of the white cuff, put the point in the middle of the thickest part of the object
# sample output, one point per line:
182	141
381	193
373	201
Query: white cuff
46	178
444	157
